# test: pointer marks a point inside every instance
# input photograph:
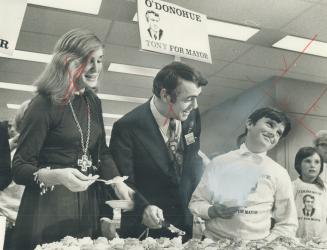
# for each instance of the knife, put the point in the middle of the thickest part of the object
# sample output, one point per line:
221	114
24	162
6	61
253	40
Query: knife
166	225
172	228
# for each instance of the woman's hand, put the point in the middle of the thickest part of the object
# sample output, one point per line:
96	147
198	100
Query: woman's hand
71	178
75	181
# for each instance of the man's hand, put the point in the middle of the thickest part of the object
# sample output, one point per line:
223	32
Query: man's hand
222	211
152	217
123	191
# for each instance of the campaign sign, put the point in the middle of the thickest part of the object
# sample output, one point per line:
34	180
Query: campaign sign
170	29
11	17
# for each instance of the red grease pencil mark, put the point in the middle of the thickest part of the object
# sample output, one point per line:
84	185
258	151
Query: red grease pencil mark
284	104
170	110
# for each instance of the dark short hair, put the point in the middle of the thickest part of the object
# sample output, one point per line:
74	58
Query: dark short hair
273	114
308	195
170	76
150	12
303	153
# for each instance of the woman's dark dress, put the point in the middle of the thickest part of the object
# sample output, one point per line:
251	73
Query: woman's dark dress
50	138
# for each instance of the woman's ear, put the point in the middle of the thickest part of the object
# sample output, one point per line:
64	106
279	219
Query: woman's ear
164	96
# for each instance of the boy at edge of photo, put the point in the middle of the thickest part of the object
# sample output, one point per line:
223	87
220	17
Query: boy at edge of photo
270	198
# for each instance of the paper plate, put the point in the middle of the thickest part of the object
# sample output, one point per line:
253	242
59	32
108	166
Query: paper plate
122	204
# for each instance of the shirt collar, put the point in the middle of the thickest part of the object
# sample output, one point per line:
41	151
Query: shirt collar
162	121
245	151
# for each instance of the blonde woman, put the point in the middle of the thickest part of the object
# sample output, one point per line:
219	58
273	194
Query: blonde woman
60	147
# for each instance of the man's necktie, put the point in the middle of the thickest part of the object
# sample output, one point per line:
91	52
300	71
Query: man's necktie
172	138
172	144
155	37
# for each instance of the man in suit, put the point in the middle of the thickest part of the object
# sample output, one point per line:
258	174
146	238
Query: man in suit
157	145
154	30
308	201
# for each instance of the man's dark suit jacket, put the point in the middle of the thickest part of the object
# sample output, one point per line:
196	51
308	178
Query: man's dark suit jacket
5	159
152	35
311	212
140	152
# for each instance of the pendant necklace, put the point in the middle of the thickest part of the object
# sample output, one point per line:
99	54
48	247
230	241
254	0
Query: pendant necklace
84	161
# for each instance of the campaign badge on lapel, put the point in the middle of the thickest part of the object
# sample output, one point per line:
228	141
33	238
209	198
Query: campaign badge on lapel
189	138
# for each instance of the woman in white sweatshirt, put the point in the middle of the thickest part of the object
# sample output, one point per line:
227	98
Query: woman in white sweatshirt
310	195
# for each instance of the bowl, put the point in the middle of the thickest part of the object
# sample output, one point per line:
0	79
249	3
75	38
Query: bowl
122	204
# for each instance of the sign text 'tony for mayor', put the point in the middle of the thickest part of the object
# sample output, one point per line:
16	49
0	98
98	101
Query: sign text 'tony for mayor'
170	29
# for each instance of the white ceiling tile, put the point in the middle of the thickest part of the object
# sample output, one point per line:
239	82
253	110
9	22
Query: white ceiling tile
217	92
117	107
117	84
268	57
213	101
36	42
227	50
227	82
246	72
13	77
136	57
308	78
85	6
310	23
21	66
125	80
57	22
206	69
258	13
118	10
130	37
279	59
311	65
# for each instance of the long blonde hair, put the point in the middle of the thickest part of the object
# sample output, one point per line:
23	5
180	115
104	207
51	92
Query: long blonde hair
18	120
55	80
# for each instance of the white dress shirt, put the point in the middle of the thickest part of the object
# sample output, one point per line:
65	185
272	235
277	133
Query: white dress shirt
163	122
